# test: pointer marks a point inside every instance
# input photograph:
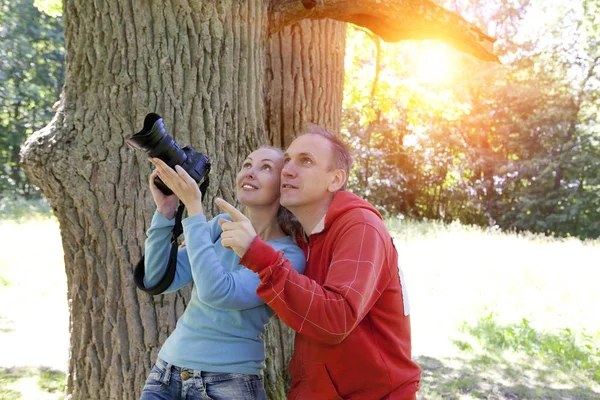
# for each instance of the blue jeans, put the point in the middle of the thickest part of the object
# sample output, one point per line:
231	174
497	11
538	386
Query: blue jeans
168	382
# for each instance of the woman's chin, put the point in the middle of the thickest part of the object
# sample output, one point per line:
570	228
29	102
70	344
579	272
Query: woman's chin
249	199
258	201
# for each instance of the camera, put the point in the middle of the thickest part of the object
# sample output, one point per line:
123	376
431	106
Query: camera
154	140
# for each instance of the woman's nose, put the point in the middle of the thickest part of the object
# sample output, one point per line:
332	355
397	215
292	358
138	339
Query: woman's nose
249	173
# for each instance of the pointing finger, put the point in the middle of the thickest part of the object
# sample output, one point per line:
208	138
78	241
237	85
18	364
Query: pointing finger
235	214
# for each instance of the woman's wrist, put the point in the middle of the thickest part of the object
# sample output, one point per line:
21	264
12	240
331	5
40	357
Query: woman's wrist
195	208
168	213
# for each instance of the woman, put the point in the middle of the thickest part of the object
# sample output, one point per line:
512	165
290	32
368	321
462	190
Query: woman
216	351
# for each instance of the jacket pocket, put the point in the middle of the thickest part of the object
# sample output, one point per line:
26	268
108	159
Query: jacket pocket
319	385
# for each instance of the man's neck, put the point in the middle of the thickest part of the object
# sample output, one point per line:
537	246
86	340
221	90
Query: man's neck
311	214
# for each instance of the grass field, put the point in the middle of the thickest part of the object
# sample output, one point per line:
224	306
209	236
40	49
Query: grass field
502	316
495	315
34	316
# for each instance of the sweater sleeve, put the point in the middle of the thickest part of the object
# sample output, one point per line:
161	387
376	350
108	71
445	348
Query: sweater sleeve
156	255
215	285
326	313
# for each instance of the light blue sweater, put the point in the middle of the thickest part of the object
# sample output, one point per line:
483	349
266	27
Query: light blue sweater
220	329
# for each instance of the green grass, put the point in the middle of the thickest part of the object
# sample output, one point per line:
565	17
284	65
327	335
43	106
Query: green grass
501	316
31	383
494	315
16	210
572	352
34	316
51	381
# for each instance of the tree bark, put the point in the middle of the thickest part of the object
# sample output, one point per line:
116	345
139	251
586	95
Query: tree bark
199	65
304	78
304	82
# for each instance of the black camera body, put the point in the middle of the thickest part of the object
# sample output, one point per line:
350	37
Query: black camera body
154	140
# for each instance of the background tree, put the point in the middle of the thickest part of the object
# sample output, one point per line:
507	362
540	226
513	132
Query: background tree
31	72
513	145
202	65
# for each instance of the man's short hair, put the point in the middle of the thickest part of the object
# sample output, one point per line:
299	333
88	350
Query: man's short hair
341	152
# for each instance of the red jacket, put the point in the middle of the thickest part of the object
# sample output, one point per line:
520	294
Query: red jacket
353	339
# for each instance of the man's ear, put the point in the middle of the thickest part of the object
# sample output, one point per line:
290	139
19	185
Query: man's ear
338	180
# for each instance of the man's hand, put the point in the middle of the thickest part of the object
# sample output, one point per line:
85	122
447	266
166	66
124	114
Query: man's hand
238	233
182	185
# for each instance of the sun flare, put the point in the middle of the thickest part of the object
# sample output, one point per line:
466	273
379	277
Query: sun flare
434	64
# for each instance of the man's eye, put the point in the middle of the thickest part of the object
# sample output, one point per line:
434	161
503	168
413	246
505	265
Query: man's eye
307	161
286	160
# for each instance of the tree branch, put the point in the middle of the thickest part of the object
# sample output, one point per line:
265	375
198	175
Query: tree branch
392	20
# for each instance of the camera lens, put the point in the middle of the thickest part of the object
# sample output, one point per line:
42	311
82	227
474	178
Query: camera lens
154	140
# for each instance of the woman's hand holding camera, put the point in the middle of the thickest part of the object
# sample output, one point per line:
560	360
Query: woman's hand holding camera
184	187
166	205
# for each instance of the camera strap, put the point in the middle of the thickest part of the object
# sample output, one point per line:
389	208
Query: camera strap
169	275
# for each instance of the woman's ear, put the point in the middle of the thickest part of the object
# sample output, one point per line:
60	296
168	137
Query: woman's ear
338	181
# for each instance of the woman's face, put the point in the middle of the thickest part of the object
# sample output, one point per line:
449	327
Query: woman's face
257	183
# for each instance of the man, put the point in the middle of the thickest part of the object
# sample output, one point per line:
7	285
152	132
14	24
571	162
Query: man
348	309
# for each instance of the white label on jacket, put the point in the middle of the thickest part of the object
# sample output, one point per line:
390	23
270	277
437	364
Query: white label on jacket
404	292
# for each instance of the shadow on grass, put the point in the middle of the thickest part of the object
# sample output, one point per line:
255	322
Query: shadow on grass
48	380
514	362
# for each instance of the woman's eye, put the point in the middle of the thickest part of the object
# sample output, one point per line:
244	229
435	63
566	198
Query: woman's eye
246	165
266	167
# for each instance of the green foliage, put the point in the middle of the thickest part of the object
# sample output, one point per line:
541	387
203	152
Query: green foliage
439	135
53	8
32	73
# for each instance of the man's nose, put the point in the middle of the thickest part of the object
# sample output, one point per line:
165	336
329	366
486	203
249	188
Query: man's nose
287	170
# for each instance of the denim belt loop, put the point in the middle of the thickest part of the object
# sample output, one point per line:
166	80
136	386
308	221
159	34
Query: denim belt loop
167	376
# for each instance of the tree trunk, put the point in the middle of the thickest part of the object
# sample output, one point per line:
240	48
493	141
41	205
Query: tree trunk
197	64
304	82
200	67
304	78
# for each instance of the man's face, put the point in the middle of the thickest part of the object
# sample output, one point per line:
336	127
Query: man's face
308	173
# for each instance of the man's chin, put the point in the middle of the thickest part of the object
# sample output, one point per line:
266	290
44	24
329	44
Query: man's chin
288	203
